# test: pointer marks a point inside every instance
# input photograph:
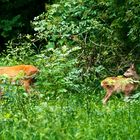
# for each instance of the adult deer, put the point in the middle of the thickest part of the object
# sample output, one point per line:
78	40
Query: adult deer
28	73
126	83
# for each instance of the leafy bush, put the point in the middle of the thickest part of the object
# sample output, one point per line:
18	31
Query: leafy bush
106	31
57	70
19	50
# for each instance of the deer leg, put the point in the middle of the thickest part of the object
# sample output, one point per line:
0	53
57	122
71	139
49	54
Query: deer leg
26	84
107	96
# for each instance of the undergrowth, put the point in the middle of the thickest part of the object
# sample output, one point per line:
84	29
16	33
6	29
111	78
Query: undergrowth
68	116
64	104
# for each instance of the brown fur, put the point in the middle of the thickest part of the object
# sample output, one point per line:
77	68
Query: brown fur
28	70
126	83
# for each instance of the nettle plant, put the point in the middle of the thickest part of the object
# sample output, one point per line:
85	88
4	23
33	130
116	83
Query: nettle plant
58	70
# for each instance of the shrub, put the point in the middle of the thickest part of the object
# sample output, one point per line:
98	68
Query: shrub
106	31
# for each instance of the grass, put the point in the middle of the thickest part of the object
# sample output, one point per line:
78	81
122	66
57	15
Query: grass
68	116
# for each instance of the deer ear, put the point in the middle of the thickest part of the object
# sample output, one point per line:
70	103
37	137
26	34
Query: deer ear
132	66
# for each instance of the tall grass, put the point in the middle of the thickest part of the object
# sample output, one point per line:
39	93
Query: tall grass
69	116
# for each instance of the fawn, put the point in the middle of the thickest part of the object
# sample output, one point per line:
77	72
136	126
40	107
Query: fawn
28	72
126	83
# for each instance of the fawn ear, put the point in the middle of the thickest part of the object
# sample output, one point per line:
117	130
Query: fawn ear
132	66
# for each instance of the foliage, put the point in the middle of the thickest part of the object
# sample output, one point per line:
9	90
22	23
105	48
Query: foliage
71	116
15	16
107	31
76	43
62	105
58	70
20	50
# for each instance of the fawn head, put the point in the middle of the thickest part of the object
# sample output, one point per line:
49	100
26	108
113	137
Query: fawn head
131	73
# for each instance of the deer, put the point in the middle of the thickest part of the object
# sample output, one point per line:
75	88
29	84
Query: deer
28	73
126	83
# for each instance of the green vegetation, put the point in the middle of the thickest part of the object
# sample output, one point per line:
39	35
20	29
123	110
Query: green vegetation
75	44
69	116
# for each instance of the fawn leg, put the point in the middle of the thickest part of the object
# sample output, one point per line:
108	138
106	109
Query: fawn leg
127	94
107	96
128	89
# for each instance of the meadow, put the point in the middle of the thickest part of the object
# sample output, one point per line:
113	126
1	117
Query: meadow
68	116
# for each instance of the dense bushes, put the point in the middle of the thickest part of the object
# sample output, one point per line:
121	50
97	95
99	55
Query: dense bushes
107	31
